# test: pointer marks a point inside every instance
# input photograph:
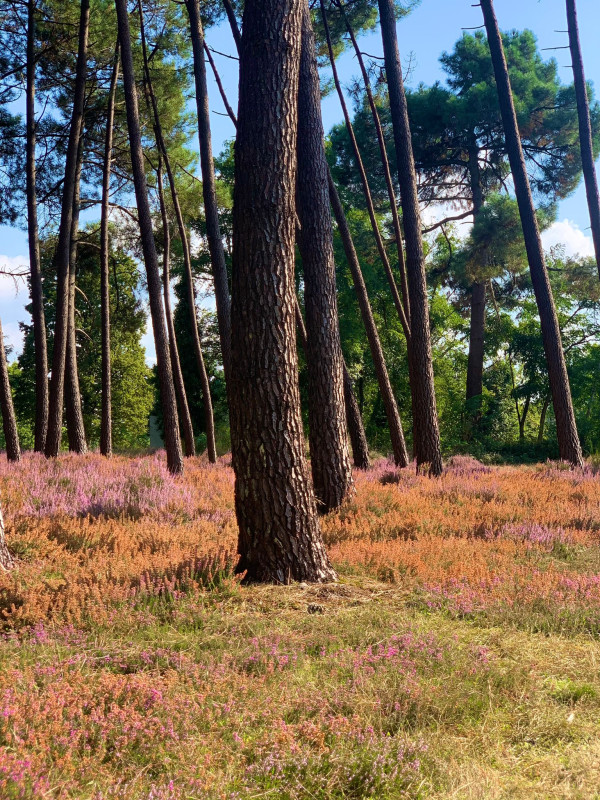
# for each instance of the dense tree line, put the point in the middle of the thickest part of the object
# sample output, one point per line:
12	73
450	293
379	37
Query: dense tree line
341	320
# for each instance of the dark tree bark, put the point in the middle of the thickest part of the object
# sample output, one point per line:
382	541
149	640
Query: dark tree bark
383	379
233	23
329	456
585	128
74	415
9	421
165	375
279	535
426	435
211	213
6	559
63	248
566	429
477	323
209	423
36	289
543	415
182	403
106	409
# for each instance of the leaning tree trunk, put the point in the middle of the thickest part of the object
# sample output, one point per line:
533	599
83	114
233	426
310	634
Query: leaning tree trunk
163	362
9	421
63	247
426	434
74	415
35	271
566	428
187	258
329	456
477	323
279	535
383	379
211	213
585	128
106	410
6	559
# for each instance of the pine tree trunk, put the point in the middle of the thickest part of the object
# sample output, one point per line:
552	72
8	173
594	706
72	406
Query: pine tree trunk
165	375
35	272
187	259
566	428
426	435
383	379
585	128
543	414
9	421
477	323
106	410
279	536
74	415
211	213
329	456
63	248
6	559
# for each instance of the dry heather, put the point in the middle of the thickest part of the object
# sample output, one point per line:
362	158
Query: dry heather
456	657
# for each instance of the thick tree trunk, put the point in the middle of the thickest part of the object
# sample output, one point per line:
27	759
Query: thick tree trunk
211	213
477	324
426	435
63	248
182	403
35	272
9	421
566	428
165	375
187	259
585	128
106	410
383	379
329	456
279	536
6	559
74	415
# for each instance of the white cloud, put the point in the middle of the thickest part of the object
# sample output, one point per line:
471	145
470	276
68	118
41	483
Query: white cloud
13	287
568	234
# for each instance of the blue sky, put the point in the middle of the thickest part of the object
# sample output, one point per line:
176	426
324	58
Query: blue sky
433	27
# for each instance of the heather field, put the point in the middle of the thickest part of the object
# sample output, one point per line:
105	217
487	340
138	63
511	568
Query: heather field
458	656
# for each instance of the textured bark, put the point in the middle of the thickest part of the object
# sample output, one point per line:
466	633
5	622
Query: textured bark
426	435
211	214
477	324
566	429
163	362
9	421
329	456
35	272
63	248
182	403
74	415
106	408
365	184
585	128
6	559
279	535
383	379
209	423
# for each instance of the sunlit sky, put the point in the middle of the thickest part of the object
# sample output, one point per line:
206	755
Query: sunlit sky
432	28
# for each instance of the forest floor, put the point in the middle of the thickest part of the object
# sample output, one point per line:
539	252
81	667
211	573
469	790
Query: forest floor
457	657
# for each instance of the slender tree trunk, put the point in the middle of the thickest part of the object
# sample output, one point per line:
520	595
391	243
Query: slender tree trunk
477	324
187	259
365	184
523	419
35	272
211	214
184	410
383	379
356	429
63	248
585	128
329	456
426	434
74	415
165	375
233	23
106	410
9	421
543	415
566	428
6	559
279	535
